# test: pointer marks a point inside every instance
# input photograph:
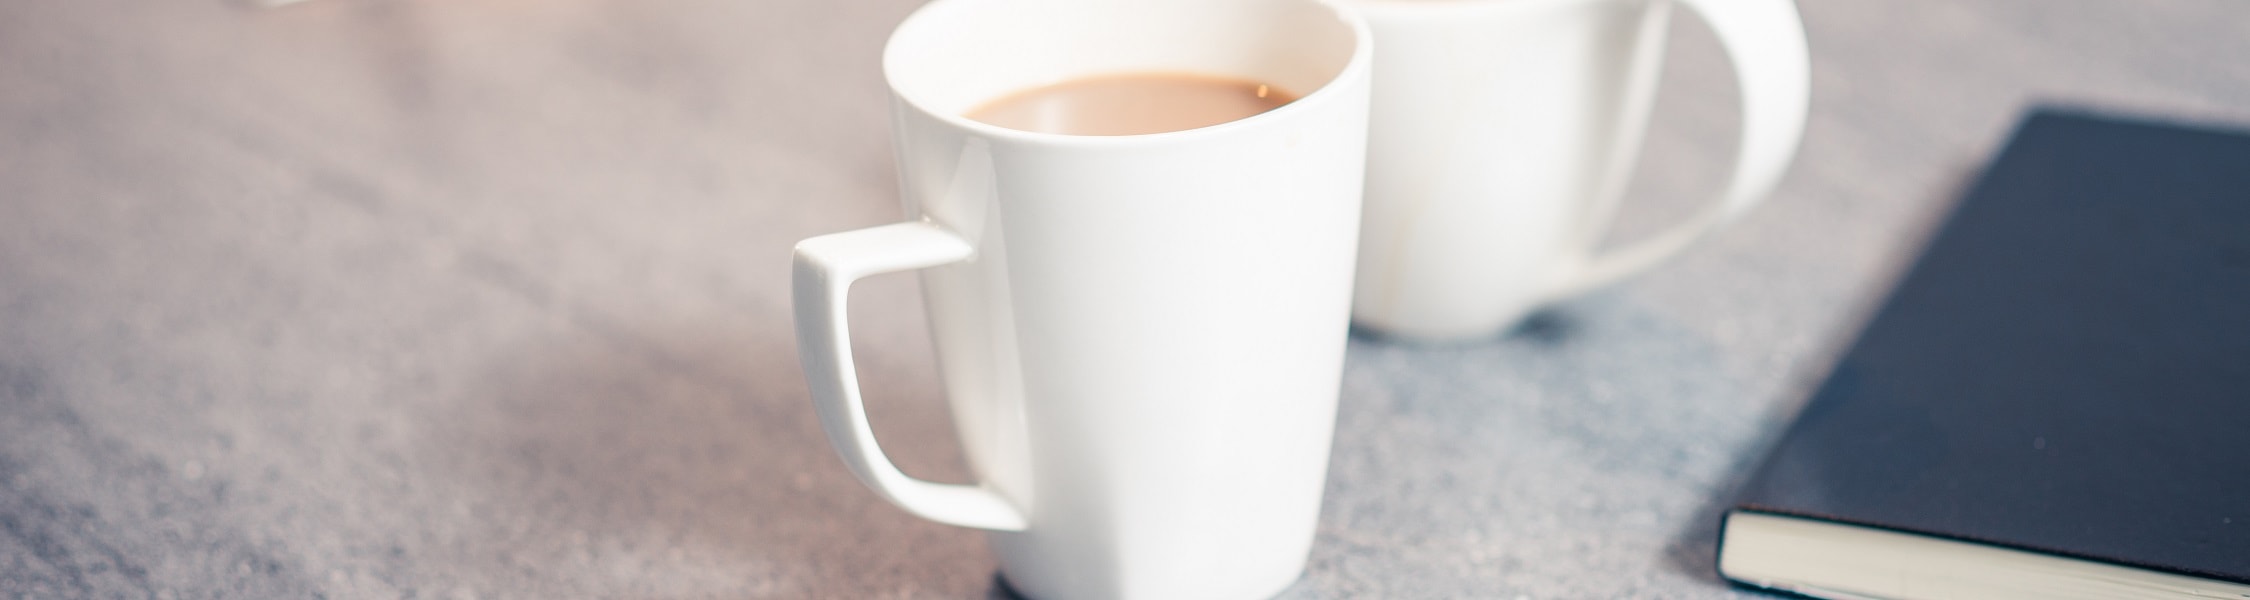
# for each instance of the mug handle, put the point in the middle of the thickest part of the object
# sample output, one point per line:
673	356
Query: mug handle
825	268
1766	41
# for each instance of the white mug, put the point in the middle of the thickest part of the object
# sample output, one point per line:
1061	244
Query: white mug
1502	135
1141	337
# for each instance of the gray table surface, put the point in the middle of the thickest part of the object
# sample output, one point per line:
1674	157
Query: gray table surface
488	299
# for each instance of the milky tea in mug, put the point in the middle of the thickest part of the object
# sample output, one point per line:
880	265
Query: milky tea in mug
1132	104
1139	320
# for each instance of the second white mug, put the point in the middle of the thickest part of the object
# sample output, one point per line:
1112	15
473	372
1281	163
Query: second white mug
1502	134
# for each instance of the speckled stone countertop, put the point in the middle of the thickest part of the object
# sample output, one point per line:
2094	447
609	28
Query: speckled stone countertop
488	299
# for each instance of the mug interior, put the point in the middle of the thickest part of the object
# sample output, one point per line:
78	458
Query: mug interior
954	55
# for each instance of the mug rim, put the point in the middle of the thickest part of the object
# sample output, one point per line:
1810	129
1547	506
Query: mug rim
1354	67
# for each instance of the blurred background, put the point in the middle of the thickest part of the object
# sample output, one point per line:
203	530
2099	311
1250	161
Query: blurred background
488	299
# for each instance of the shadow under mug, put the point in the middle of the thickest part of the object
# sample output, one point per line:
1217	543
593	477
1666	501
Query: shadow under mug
1141	337
1503	132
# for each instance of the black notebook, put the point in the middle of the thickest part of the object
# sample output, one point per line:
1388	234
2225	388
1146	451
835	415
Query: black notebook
2053	403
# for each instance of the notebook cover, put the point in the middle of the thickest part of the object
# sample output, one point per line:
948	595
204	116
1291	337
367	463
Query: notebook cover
2066	369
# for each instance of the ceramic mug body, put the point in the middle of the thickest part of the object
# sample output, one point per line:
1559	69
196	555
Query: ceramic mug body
1141	337
1503	132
